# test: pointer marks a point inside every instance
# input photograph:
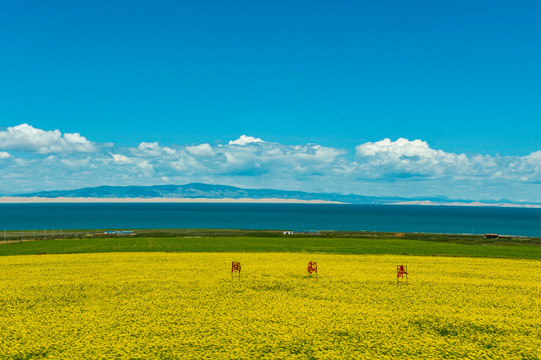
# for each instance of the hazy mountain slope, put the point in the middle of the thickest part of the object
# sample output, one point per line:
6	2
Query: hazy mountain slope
198	190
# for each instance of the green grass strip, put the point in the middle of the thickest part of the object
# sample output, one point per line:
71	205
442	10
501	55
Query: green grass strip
391	246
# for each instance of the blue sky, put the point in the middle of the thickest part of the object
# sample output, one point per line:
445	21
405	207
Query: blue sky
461	78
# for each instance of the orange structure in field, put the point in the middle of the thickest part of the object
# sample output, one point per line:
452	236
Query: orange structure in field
235	268
312	268
401	274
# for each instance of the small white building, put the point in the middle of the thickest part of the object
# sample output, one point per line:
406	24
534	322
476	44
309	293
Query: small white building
301	232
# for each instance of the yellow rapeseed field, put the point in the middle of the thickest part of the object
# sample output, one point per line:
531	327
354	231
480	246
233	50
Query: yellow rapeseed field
185	305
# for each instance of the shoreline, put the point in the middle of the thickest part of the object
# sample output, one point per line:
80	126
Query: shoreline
468	204
42	200
83	200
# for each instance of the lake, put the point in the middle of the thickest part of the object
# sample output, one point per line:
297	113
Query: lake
391	218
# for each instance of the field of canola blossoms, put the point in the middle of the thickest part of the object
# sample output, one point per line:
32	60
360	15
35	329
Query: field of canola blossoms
185	305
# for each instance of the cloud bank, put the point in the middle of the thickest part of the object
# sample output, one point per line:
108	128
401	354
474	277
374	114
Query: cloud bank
29	139
33	159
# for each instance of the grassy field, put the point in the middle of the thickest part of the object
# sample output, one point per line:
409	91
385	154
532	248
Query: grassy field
411	244
185	305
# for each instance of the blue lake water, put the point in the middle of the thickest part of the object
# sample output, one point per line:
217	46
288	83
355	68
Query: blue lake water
394	218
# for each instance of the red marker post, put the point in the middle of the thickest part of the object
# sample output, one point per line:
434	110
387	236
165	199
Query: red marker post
235	269
312	268
401	274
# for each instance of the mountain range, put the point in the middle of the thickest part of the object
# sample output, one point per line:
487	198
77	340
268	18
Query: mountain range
208	191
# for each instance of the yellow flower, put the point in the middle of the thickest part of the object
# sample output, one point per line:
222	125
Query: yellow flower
186	306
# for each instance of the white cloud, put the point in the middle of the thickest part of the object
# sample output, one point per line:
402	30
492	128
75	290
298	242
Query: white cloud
153	149
24	137
121	159
144	164
200	150
410	158
4	155
273	159
185	164
244	140
525	168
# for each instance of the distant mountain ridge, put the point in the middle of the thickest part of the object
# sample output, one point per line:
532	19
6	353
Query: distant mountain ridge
208	191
